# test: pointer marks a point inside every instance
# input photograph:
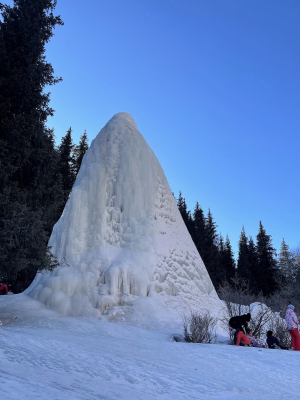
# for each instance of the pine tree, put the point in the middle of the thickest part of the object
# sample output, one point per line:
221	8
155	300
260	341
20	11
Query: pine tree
226	258
286	263
222	252
27	155
66	164
253	262
185	214
199	229
79	152
229	261
266	262
243	264
211	252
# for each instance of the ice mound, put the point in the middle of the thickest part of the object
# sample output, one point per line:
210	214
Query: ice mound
121	236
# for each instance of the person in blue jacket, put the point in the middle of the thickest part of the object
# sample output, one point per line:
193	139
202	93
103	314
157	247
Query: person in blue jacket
273	342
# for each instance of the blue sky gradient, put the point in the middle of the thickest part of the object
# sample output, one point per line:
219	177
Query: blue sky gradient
214	87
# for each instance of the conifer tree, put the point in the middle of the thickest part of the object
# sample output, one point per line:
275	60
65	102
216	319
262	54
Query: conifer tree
79	152
243	264
266	262
296	264
199	229
211	252
253	262
222	252
185	214
229	261
66	163
28	160
226	258
286	263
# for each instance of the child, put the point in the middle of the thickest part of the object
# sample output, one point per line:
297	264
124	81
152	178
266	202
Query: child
252	339
273	342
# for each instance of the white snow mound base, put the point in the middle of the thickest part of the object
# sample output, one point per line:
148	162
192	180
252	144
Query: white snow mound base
121	237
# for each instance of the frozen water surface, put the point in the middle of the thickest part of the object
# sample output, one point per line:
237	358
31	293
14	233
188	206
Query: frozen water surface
121	238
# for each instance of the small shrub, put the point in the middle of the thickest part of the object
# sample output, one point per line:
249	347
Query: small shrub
199	327
261	318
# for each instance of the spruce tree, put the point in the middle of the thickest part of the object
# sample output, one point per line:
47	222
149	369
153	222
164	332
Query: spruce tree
185	214
222	252
211	252
66	163
286	262
79	152
243	264
266	262
229	261
226	258
28	159
253	262
199	229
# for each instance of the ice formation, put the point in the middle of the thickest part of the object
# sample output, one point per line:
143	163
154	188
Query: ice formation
121	236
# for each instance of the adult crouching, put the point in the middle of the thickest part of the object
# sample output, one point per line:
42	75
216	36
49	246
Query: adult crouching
240	322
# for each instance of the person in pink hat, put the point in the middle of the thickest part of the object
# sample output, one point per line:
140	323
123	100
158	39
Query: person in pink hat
292	325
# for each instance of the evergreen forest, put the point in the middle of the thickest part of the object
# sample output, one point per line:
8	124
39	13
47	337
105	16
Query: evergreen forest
36	176
259	267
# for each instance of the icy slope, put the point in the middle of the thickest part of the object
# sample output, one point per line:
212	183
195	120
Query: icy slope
49	357
121	236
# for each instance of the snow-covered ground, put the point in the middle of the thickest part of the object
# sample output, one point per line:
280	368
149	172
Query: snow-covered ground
101	325
48	356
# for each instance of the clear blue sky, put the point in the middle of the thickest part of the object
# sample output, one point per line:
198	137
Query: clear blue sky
214	87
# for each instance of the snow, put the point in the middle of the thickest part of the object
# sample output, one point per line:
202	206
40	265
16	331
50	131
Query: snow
123	247
101	326
45	355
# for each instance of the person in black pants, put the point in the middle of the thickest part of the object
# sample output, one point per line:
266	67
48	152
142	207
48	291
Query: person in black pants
240	322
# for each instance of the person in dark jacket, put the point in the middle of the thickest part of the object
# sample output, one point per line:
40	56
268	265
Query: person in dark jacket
273	342
240	322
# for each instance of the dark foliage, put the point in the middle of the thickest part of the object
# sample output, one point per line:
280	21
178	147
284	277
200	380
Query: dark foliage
79	152
203	231
267	265
30	187
226	258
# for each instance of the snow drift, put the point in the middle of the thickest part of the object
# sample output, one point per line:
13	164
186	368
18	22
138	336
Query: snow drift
121	237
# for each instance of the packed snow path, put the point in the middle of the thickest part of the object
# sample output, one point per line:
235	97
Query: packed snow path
49	357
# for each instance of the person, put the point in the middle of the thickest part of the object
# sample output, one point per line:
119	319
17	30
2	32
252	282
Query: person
3	289
253	342
242	338
292	326
240	322
273	342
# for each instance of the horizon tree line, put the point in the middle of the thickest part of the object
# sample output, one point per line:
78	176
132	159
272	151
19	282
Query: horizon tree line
257	262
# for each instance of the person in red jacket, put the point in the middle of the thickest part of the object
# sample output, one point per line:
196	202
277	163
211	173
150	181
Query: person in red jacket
3	289
242	338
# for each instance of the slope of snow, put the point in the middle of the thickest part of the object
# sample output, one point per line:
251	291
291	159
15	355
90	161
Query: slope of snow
121	237
50	357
